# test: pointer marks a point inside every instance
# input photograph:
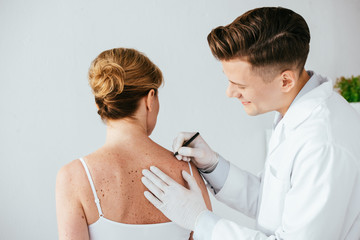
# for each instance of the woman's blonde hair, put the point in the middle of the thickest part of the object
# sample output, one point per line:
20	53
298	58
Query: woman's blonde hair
119	78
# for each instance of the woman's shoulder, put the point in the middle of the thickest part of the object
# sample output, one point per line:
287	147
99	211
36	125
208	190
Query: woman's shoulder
173	167
69	175
169	164
70	169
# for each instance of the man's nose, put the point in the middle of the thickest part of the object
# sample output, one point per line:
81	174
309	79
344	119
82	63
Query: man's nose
231	91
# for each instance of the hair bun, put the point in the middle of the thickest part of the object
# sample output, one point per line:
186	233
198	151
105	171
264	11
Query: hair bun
106	78
108	74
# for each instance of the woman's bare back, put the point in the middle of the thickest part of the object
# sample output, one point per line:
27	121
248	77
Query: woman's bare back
116	172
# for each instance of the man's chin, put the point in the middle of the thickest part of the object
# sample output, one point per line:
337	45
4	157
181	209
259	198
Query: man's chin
252	112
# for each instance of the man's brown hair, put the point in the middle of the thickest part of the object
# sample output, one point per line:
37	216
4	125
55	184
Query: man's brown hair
273	37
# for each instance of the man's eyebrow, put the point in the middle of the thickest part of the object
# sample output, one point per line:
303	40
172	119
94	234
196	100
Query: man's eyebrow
238	84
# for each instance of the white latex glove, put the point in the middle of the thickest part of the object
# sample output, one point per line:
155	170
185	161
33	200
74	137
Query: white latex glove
202	155
180	205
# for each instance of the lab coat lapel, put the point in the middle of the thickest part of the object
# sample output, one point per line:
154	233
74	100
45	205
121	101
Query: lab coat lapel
277	134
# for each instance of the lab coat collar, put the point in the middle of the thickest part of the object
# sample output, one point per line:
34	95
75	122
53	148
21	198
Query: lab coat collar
314	92
310	85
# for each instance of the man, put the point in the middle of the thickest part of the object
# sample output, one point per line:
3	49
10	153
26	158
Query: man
310	185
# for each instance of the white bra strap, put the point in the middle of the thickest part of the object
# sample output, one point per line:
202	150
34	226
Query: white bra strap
97	201
190	169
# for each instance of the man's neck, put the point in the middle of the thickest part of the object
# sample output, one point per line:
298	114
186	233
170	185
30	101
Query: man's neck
303	79
300	83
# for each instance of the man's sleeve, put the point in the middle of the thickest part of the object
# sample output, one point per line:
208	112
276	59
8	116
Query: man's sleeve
211	227
236	188
217	177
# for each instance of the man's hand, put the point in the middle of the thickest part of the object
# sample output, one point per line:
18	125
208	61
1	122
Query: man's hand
180	205
202	155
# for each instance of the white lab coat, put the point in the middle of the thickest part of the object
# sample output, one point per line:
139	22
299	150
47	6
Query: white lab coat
310	186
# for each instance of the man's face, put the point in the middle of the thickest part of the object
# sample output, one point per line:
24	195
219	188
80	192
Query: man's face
256	95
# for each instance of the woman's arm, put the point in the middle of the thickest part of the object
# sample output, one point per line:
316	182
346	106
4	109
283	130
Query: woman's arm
204	191
201	183
71	219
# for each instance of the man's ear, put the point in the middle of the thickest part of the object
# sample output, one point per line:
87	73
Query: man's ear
288	79
149	100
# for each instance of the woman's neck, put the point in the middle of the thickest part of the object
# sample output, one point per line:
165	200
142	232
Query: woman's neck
124	131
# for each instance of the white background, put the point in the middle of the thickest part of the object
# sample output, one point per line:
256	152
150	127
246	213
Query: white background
48	115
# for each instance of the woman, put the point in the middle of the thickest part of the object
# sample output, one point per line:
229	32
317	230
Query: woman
125	84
